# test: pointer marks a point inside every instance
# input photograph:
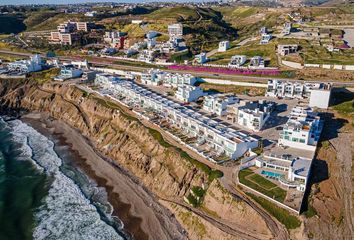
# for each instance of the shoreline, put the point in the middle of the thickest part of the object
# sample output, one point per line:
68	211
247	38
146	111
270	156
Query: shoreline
142	215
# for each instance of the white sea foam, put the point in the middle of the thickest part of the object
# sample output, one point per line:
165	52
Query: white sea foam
66	213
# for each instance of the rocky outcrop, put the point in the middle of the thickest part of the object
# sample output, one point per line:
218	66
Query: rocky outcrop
112	132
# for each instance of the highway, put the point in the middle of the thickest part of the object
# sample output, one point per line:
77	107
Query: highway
105	62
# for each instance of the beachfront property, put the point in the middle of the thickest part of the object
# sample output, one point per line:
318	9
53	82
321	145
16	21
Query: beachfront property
157	77
265	38
68	72
257	62
237	61
253	115
219	139
284	50
290	171
188	93
25	66
302	130
223	46
175	29
201	58
217	103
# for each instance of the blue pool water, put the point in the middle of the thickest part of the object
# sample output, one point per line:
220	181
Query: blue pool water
271	174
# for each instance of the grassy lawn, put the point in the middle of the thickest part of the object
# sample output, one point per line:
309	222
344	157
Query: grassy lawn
252	91
283	216
261	185
261	181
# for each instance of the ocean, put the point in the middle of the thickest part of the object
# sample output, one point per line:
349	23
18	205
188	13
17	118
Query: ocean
44	196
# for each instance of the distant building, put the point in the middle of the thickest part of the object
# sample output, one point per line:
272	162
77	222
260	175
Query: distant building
115	39
158	77
201	58
257	62
284	50
147	56
85	26
136	21
223	46
237	61
265	38
302	130
187	93
175	29
263	30
217	104
25	66
287	28
151	34
91	14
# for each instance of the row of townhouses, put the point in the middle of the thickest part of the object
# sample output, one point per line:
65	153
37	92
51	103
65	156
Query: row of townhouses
157	77
319	94
224	140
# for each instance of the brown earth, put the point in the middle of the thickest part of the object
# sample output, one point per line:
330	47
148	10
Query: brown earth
332	194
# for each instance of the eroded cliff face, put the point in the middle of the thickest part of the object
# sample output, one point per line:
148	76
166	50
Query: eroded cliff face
112	132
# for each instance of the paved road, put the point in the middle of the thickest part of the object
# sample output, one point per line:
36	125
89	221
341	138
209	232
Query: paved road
110	63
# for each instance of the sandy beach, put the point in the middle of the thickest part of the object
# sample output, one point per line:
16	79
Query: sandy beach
143	216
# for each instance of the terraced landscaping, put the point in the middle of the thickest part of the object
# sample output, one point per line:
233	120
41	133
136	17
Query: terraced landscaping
262	185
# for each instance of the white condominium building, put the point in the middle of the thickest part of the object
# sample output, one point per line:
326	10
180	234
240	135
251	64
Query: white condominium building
187	93
105	79
321	97
68	72
257	62
201	58
253	115
25	66
157	77
175	29
237	60
223	46
302	130
284	50
222	139
217	104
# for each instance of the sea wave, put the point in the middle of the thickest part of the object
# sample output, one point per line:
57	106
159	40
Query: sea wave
65	213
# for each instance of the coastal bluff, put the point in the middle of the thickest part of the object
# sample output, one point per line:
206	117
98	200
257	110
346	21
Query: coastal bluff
163	169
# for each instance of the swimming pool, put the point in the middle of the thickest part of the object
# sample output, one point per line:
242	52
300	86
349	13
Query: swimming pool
271	174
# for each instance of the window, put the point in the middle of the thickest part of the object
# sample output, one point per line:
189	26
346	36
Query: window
295	139
302	140
286	137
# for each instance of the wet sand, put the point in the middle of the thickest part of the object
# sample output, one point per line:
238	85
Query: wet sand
143	217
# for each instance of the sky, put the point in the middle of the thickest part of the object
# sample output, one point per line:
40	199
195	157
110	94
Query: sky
5	2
